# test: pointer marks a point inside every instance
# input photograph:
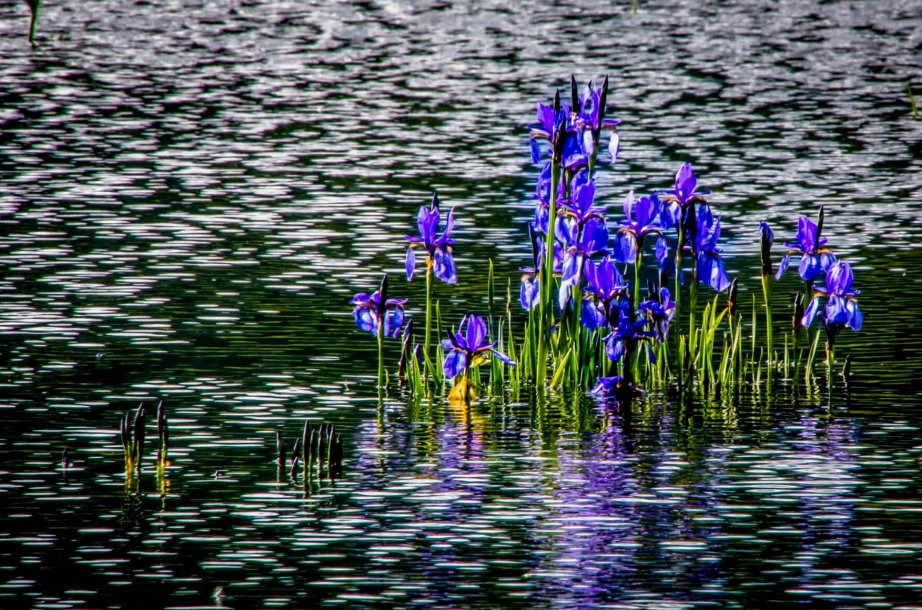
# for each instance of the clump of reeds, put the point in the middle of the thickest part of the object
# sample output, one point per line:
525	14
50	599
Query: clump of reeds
319	449
133	440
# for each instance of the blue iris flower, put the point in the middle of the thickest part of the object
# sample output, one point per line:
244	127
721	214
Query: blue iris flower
590	120
659	312
626	335
814	257
371	311
683	195
710	266
841	302
554	126
641	216
604	286
438	249
468	347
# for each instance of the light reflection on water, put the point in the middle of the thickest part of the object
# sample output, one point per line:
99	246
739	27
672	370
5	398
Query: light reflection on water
192	192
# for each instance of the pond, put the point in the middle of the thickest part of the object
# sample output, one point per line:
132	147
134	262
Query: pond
191	193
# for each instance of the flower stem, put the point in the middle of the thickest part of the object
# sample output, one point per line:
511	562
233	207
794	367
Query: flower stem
678	299
381	353
428	309
637	263
767	293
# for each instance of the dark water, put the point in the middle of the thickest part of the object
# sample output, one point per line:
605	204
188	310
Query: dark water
191	192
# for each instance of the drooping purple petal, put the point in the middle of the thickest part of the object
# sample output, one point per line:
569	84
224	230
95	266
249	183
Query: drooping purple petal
444	265
411	264
836	311
503	357
455	363
669	215
855	319
810	268
810	312
614	146
535	150
785	263
592	316
528	294
711	270
393	320
625	247
606	384
614	347
366	320
594	237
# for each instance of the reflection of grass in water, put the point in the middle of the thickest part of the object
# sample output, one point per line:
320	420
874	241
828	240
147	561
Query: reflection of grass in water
912	102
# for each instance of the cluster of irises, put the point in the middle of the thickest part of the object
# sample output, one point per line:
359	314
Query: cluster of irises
592	319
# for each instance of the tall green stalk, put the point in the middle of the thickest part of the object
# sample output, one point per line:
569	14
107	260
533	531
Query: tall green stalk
428	308
547	280
381	353
767	293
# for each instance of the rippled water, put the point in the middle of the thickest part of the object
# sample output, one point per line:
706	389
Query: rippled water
191	192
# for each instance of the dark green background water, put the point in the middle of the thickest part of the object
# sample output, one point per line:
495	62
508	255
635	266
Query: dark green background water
191	192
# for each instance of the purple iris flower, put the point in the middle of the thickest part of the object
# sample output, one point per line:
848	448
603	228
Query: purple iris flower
640	218
815	258
841	305
370	311
468	347
685	193
590	120
604	285
438	249
626	335
710	266
660	313
580	242
554	126
606	385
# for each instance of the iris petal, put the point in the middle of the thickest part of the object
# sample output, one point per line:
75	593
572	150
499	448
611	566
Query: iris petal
810	268
455	363
365	319
711	270
411	264
810	312
685	183
592	316
785	263
855	318
614	145
503	357
614	347
444	266
476	332
625	249
535	151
